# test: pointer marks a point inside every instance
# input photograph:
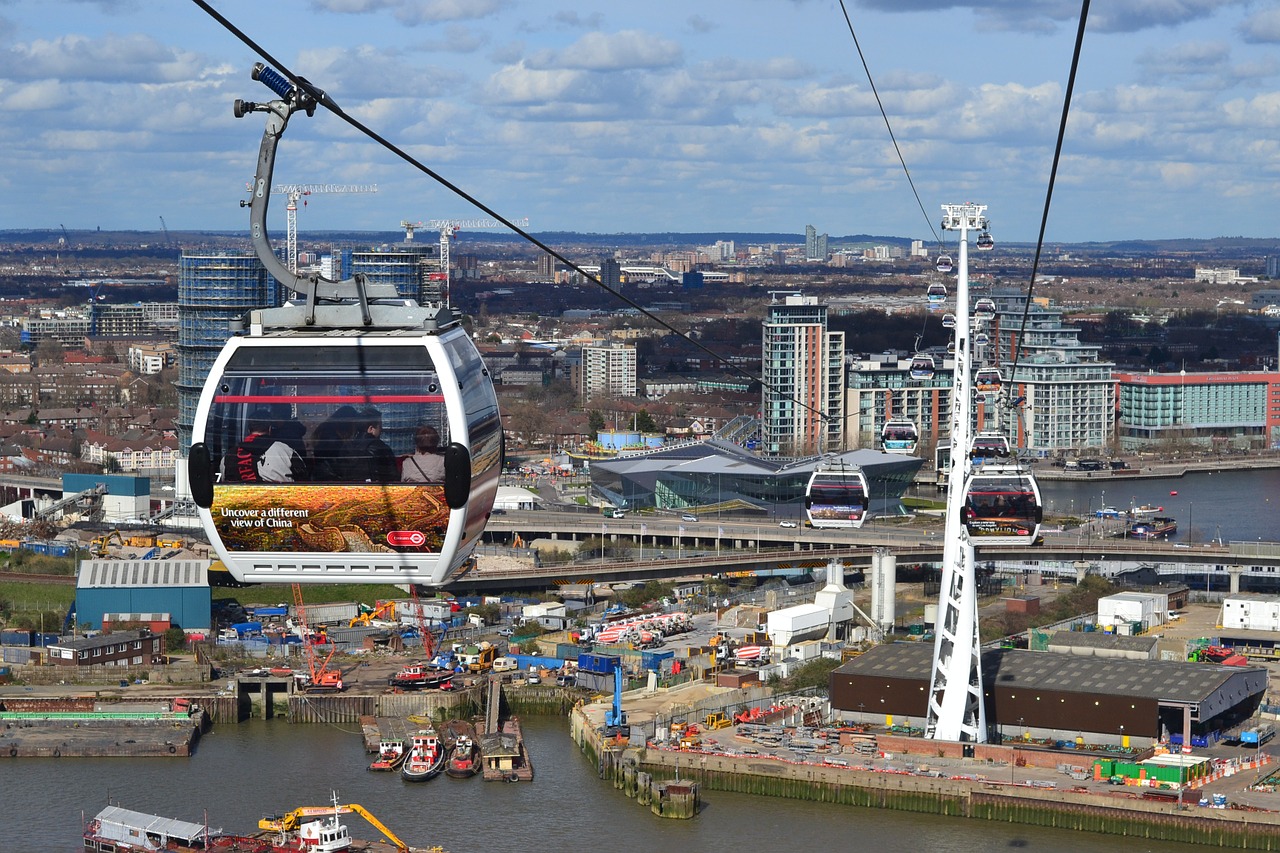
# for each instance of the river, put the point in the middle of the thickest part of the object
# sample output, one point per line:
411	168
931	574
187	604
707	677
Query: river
1235	505
241	772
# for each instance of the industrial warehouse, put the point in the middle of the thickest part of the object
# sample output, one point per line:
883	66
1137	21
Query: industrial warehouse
1073	699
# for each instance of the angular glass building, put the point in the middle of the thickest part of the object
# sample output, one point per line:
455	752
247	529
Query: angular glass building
213	290
722	475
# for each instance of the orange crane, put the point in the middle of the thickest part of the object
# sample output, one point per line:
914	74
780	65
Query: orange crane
322	678
428	641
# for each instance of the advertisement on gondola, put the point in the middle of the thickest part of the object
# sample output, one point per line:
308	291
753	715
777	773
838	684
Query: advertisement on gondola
330	518
1004	527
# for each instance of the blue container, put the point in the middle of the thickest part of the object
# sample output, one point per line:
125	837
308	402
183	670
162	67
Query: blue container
653	660
42	640
599	664
14	637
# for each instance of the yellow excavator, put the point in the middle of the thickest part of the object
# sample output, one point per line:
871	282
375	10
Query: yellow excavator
290	821
385	610
102	544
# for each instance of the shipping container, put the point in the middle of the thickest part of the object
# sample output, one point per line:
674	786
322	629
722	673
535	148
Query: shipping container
654	660
14	637
601	664
318	614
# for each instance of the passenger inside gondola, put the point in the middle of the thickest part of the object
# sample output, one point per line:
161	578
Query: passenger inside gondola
426	464
329	441
368	458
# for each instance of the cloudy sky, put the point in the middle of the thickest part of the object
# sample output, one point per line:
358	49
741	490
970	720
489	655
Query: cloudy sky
719	115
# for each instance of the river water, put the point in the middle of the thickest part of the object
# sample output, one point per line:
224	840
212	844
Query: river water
241	772
1237	505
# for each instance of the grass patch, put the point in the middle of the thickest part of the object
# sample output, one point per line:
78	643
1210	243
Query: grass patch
269	593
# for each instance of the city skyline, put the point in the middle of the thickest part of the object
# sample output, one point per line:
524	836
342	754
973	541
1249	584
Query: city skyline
651	119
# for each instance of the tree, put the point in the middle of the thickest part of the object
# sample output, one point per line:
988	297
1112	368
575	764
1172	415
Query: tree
595	421
645	422
49	351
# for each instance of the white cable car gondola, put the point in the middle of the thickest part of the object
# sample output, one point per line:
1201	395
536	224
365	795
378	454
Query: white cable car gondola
981	339
308	425
990	445
922	366
985	241
837	495
945	264
899	436
948	321
1002	506
987	379
984	310
936	293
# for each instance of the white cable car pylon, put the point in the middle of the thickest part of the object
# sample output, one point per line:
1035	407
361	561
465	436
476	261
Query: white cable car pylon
956	710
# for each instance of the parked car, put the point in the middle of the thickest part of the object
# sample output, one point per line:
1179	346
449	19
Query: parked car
506	632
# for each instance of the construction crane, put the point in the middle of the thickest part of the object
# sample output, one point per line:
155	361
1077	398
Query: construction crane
66	238
296	191
448	229
424	630
322	678
165	229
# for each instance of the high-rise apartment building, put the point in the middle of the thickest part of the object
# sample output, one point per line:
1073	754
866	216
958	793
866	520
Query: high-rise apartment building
804	378
213	290
608	370
815	245
1065	391
881	389
406	266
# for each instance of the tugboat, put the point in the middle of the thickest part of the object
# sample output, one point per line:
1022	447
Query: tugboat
426	757
463	761
391	754
419	677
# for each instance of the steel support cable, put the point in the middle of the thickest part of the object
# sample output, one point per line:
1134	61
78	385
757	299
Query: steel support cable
322	99
1017	344
888	127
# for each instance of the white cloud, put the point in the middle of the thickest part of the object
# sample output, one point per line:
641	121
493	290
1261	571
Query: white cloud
612	52
1262	27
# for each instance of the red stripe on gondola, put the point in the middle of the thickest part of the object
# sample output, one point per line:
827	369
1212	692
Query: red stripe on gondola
340	398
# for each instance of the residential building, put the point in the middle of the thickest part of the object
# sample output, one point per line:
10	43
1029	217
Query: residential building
409	267
1237	410
608	370
804	377
1065	392
881	388
120	648
213	290
815	245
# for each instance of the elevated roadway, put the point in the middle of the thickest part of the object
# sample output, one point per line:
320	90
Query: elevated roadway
669	548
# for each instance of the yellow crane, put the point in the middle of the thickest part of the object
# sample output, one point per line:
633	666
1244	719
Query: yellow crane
290	821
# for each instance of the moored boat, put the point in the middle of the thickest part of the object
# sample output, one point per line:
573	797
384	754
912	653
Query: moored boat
463	761
418	677
391	754
1153	528
312	829
426	757
1146	510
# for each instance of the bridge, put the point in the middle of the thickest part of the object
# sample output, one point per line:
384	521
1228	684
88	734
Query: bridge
668	548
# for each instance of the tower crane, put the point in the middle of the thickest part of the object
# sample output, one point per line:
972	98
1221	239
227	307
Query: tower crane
296	191
448	229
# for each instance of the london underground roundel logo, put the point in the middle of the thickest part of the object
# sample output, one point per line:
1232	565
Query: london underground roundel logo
411	538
